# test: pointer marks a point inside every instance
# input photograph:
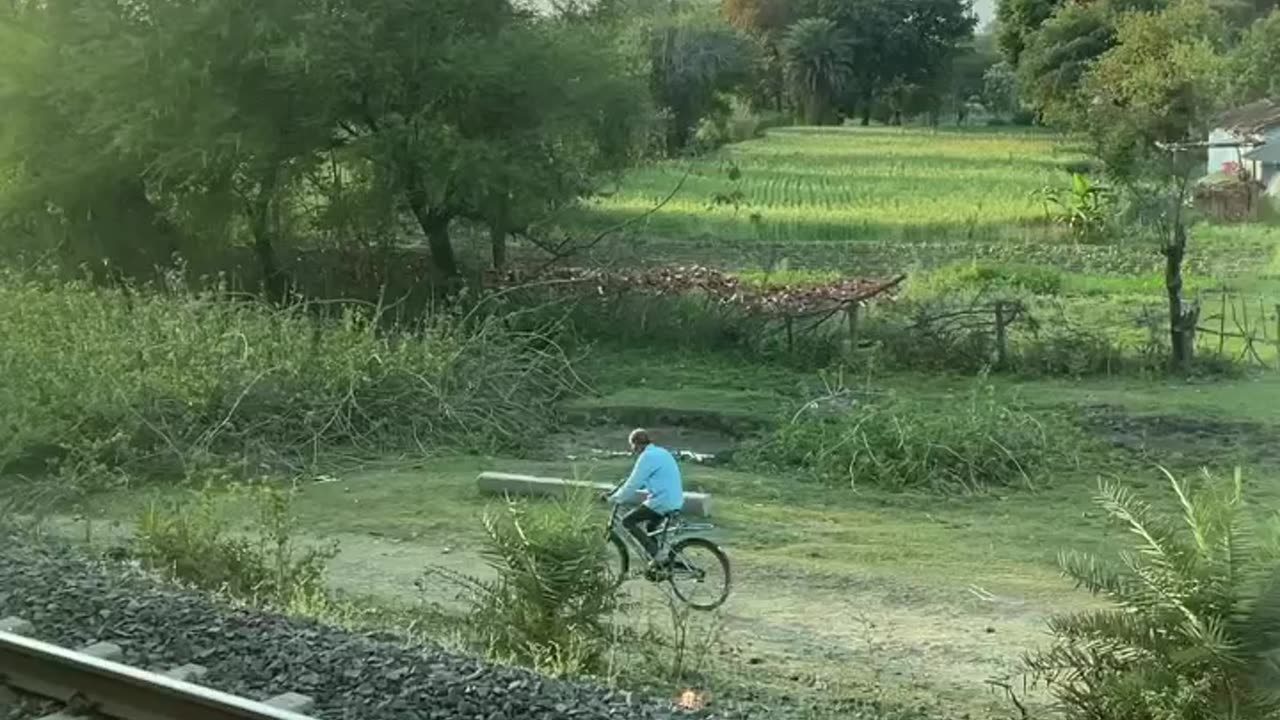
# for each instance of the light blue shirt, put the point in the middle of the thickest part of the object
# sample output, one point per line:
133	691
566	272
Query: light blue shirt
656	471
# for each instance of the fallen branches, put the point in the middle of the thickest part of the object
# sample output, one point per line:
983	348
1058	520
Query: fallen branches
779	300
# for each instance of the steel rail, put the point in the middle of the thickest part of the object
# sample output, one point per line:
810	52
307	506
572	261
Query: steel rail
117	690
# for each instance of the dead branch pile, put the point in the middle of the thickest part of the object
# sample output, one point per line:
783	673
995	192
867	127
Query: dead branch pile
791	300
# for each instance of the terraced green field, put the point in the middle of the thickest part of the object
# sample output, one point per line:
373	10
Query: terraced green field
885	200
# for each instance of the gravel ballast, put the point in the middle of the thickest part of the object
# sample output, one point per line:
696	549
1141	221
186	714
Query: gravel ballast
73	601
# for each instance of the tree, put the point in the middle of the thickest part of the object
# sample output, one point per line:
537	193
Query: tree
1017	21
1160	83
895	43
66	180
1251	65
1057	56
965	79
225	101
817	55
695	59
767	21
1000	90
551	111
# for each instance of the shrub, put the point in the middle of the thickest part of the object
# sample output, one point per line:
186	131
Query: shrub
108	384
194	539
1193	622
550	604
968	445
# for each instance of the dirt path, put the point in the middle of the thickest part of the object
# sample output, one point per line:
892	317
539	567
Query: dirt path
854	631
859	633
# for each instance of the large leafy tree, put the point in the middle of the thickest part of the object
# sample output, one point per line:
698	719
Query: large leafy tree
767	21
817	55
1017	21
1057	57
695	59
1252	64
1160	83
895	43
65	181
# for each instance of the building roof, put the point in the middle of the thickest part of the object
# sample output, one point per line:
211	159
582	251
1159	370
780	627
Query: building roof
1269	154
1251	119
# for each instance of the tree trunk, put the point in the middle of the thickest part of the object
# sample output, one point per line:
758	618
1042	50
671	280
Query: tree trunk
435	227
866	114
263	225
1182	319
498	232
126	231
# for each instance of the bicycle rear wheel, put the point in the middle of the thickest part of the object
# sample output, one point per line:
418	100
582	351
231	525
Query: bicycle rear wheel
700	573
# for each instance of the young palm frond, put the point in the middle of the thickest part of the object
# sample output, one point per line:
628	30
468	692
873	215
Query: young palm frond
1193	630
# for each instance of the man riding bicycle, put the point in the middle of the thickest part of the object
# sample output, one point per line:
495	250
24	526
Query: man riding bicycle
656	478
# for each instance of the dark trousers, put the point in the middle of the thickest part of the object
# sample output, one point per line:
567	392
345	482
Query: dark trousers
642	521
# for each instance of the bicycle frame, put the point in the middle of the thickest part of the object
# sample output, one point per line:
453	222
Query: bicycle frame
670	530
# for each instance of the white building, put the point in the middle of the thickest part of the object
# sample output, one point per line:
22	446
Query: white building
1248	138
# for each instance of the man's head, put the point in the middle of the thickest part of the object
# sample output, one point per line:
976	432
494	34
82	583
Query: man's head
639	440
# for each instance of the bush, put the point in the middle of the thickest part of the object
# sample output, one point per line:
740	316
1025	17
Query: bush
550	605
969	445
194	540
103	385
1193	622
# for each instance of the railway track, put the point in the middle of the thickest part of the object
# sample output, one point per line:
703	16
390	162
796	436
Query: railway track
92	683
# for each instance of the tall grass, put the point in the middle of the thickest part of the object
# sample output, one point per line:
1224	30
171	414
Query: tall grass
104	385
961	445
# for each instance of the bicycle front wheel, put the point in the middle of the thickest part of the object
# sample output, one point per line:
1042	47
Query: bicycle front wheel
618	560
700	573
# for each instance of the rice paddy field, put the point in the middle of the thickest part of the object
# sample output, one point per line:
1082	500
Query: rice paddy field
889	199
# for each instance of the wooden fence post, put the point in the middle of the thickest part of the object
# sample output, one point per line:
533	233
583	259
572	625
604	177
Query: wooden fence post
1277	335
1002	336
851	313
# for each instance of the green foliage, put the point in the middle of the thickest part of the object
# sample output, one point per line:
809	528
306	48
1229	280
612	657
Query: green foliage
966	444
1035	279
1000	90
1251	64
895	45
195	539
103	385
817	55
1084	208
1058	55
550	605
1193	619
1017	21
696	60
1160	83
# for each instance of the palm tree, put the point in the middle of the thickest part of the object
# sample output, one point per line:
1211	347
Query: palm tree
817	54
1193	621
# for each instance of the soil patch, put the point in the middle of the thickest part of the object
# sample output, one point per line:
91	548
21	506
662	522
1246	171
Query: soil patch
1188	438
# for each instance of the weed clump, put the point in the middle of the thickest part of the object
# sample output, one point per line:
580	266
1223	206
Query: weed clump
551	601
964	445
193	539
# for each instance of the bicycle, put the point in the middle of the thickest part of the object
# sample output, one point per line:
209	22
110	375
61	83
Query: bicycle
693	559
